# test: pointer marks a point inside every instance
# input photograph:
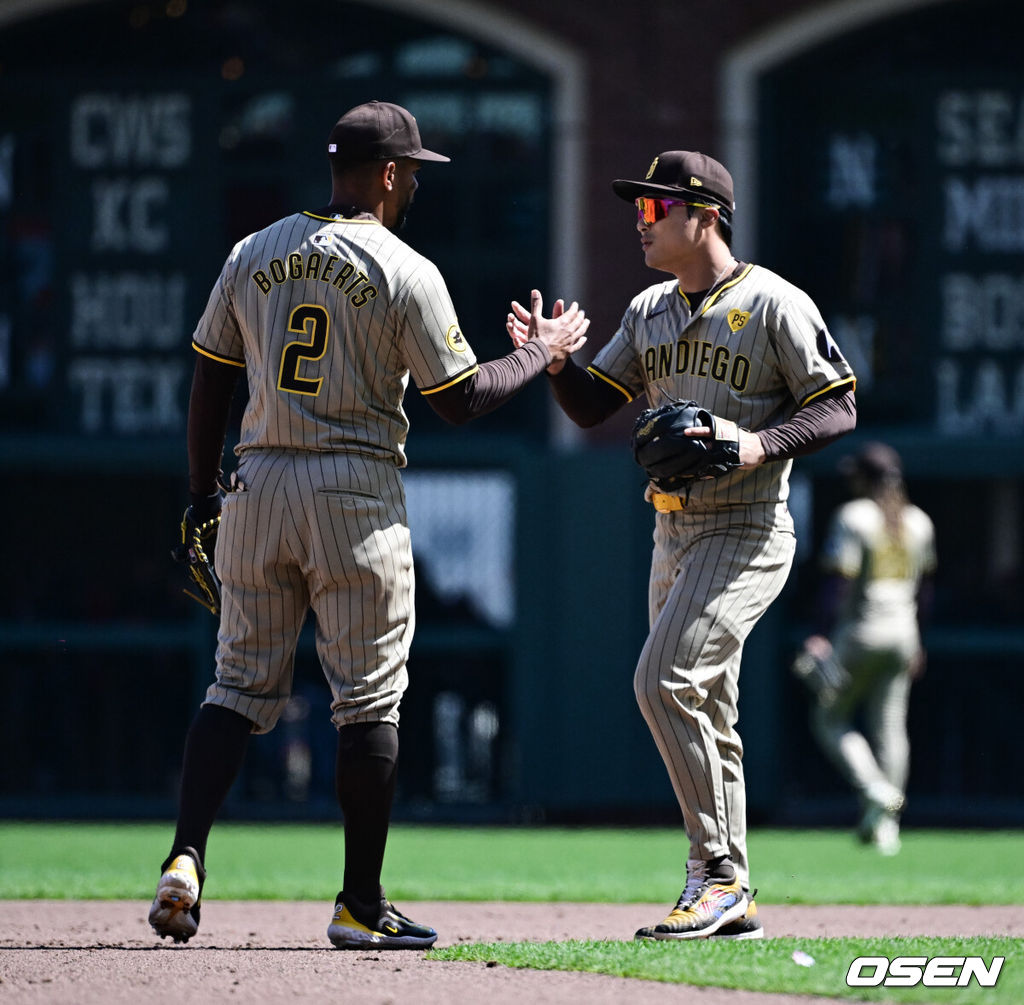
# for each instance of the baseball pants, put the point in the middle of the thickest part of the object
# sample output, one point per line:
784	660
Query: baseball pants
713	575
325	531
880	685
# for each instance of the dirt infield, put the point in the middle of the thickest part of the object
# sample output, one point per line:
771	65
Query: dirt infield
103	951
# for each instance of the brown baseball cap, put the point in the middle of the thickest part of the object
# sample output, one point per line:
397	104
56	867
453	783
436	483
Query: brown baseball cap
685	173
378	131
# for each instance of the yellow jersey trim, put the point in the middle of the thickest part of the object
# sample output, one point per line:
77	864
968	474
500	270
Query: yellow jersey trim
721	289
608	380
338	219
831	387
451	383
709	300
220	359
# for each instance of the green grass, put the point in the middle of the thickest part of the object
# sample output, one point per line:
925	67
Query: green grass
616	865
768	965
115	861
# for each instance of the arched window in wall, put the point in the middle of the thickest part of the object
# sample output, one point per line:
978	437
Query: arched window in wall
880	161
890	181
139	141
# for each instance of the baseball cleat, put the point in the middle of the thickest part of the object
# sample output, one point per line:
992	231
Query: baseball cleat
175	909
746	927
389	930
711	899
879	825
886	836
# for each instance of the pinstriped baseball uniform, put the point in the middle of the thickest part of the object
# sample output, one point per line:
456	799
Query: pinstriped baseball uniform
329	317
752	351
876	639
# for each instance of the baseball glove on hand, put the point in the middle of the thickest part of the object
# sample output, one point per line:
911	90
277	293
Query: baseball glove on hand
673	460
198	538
822	674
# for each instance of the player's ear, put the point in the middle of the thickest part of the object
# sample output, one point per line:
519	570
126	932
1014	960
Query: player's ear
709	218
387	174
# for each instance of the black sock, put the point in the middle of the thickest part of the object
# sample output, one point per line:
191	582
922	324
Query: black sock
214	750
365	786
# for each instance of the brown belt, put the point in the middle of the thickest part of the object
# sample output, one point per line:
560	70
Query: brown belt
664	503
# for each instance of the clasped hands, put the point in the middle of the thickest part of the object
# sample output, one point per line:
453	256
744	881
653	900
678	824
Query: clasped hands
563	333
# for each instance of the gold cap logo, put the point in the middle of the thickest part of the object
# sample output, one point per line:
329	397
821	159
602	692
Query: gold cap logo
696	182
650	170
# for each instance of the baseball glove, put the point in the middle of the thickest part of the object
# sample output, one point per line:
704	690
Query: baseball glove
824	676
673	460
198	539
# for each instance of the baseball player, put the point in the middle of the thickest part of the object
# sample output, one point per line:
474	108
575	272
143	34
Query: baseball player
328	314
753	349
878	561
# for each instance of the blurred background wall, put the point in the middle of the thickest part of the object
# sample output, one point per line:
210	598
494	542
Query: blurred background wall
878	151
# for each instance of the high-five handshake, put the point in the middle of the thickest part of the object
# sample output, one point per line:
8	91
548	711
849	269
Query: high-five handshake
563	333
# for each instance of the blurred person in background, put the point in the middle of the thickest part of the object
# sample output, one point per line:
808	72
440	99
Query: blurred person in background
877	564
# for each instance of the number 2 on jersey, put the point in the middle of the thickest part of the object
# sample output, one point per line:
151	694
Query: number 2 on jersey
315	323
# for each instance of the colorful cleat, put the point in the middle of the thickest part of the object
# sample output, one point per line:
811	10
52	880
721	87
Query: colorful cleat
175	910
390	930
746	927
711	899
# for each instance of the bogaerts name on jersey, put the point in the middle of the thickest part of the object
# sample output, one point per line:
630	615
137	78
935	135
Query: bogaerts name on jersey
354	283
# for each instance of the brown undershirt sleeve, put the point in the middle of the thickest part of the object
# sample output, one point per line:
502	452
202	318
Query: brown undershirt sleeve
584	398
812	427
492	385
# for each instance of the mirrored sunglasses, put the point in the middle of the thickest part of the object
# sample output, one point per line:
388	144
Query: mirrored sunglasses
650	210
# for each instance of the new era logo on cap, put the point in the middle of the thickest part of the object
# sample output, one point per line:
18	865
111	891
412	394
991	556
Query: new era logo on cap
375	131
